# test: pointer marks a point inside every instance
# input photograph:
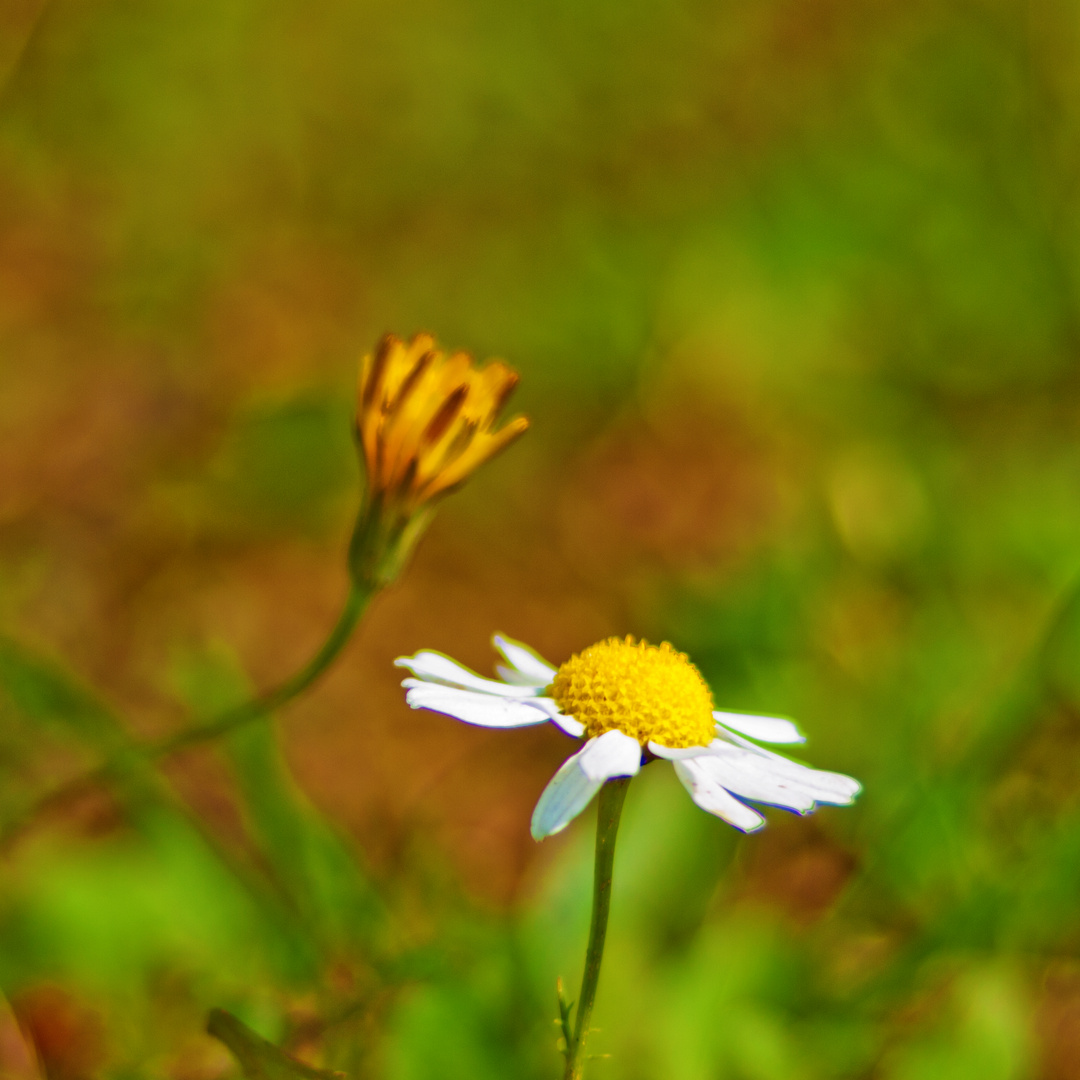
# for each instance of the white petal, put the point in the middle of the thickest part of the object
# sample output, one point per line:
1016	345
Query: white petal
485	710
434	667
610	754
526	668
572	727
567	794
710	795
580	777
771	729
676	753
834	789
751	777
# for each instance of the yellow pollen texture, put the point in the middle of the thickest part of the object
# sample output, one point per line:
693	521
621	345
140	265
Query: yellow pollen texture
645	691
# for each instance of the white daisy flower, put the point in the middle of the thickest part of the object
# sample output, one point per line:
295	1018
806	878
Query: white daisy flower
629	702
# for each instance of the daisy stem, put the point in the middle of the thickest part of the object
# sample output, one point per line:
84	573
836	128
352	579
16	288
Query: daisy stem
612	795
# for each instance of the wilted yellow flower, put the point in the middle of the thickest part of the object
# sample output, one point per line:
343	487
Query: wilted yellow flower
425	422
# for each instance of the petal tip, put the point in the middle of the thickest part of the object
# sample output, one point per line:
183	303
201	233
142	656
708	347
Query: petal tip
568	725
540	833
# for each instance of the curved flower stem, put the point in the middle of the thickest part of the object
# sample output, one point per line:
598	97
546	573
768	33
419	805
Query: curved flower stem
612	795
355	605
133	755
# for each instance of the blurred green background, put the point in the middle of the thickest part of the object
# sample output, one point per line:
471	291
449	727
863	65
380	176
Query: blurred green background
793	289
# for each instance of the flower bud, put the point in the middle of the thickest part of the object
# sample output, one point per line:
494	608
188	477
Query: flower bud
425	422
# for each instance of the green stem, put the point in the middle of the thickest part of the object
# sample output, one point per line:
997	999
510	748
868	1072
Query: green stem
612	795
266	703
284	692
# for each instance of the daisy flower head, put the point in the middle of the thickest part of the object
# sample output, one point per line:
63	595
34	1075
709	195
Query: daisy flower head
629	703
425	422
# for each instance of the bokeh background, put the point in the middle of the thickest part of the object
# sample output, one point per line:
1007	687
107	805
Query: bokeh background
793	289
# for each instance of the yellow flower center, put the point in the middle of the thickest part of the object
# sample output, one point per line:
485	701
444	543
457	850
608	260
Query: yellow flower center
645	691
